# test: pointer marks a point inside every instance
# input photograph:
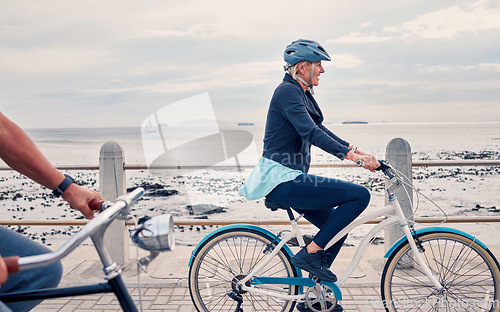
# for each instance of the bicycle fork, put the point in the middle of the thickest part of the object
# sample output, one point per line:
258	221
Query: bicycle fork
411	240
112	273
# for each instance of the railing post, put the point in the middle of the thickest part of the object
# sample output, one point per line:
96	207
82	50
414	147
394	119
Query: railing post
398	154
112	184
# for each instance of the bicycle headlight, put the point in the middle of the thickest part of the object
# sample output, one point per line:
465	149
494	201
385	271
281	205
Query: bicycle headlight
155	234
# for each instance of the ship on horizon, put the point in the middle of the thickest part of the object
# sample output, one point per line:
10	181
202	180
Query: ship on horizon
355	122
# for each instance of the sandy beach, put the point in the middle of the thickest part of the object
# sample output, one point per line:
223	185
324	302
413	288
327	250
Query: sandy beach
212	194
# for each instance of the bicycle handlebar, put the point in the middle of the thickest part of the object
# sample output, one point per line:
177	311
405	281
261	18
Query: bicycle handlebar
384	167
114	210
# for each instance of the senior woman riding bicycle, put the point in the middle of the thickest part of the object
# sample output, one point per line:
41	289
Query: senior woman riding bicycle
294	123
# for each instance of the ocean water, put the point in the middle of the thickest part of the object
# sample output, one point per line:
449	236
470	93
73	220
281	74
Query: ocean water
427	140
457	190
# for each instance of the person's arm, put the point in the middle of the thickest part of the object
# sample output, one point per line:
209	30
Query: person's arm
295	111
371	163
333	135
21	154
3	271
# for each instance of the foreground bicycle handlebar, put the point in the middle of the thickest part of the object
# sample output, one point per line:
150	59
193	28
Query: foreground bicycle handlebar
92	229
154	234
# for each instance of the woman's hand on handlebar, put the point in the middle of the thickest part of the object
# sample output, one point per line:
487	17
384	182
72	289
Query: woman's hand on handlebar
371	163
79	198
366	160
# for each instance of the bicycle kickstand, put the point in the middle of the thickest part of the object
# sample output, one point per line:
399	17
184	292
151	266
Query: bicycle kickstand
238	298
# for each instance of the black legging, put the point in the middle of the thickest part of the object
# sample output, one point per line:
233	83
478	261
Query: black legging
329	204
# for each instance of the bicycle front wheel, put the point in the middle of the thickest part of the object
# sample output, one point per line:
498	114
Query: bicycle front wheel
229	257
469	273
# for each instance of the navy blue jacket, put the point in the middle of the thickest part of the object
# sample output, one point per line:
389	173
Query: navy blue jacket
294	122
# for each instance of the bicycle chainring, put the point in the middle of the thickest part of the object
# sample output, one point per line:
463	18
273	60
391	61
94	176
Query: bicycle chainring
320	298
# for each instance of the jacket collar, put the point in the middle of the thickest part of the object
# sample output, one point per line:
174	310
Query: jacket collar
311	104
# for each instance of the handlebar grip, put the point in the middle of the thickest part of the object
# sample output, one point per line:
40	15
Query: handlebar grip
96	204
382	166
12	264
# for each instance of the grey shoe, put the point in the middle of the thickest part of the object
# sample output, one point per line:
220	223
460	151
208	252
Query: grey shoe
315	263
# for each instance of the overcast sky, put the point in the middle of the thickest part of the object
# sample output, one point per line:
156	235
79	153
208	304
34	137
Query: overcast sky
113	63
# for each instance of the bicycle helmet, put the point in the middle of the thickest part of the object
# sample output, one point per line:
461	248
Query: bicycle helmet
305	50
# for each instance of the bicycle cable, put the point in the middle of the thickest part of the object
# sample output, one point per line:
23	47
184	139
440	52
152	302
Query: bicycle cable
139	266
409	183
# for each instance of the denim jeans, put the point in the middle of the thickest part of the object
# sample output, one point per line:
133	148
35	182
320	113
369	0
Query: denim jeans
14	244
329	204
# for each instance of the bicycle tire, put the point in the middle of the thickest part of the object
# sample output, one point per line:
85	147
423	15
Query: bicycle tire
470	273
230	255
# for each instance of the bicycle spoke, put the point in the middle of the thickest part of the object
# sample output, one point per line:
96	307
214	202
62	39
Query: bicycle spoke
227	260
467	277
456	267
263	299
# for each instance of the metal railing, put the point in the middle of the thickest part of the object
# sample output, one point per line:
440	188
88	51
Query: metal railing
188	222
195	222
112	169
417	163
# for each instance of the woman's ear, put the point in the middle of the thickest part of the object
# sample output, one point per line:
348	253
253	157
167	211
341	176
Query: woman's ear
302	67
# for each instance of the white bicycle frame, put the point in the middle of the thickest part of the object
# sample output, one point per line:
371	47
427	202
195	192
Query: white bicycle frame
396	216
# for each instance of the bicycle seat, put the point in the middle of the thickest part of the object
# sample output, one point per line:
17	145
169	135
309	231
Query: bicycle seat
274	206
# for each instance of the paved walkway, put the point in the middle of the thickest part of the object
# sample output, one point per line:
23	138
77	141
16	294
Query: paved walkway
164	286
365	299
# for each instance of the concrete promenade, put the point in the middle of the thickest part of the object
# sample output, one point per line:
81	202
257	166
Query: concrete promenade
164	286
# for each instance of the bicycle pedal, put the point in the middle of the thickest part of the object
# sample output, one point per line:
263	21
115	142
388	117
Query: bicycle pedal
236	297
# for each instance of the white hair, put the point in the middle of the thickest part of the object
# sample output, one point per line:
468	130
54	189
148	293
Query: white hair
293	70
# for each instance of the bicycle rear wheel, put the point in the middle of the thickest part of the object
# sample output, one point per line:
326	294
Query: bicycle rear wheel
227	258
470	275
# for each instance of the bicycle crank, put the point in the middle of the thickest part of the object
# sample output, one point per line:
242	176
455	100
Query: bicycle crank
320	298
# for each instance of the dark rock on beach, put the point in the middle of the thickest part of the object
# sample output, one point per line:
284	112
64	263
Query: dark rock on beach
490	209
453	155
148	186
374	184
155	189
204	209
162	193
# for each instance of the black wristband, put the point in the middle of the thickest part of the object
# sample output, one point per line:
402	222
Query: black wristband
63	186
